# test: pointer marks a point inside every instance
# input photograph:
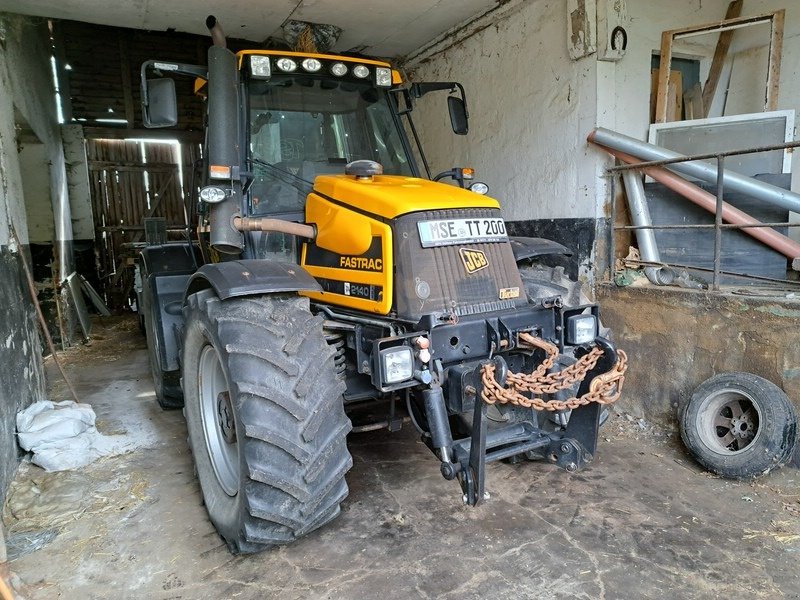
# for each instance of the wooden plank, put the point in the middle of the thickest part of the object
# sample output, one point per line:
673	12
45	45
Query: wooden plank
724	25
662	90
775	54
718	62
693	103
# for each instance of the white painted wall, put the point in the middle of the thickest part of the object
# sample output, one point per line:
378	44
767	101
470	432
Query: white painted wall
531	106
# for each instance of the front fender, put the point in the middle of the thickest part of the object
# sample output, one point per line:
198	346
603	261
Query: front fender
249	277
529	247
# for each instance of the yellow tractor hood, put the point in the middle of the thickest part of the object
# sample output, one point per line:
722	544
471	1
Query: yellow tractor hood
389	196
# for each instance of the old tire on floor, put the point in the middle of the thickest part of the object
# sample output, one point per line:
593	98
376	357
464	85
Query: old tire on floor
267	428
739	425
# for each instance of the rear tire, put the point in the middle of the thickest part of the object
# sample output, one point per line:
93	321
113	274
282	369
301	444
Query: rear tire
167	384
739	425
265	416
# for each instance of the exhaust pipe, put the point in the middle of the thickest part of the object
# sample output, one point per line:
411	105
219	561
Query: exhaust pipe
223	137
215	29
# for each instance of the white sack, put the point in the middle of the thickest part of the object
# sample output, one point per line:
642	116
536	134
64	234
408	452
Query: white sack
62	435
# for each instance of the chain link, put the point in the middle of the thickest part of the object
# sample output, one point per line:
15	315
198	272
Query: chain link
604	389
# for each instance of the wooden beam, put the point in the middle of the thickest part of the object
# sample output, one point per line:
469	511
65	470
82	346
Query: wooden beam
162	167
775	54
720	54
122	133
125	72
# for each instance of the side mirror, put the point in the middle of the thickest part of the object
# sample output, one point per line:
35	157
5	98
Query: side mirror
160	105
458	115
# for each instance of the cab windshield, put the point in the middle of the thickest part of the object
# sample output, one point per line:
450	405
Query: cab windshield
302	126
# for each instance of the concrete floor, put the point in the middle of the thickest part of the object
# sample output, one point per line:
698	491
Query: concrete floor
641	522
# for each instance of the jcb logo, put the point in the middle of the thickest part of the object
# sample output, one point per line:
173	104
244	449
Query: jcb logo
474	260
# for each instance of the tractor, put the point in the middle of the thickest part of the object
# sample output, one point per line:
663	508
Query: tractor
326	277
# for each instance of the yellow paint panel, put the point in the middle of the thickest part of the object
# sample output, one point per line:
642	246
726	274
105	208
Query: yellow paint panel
390	196
317	210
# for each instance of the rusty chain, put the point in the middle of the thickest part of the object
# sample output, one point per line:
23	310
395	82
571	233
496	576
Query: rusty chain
604	389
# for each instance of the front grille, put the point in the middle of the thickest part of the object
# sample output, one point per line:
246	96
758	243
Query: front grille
440	272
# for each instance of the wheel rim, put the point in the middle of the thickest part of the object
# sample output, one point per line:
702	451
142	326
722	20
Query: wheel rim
730	421
219	428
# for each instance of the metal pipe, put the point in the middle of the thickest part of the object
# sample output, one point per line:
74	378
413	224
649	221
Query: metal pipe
703	171
265	224
709	156
215	29
646	238
702	198
718	221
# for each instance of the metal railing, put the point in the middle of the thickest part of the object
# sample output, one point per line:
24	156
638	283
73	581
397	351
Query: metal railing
718	225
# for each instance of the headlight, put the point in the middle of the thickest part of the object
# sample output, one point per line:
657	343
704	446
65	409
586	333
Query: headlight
479	188
259	66
397	364
339	69
312	65
360	71
581	329
286	65
212	194
383	77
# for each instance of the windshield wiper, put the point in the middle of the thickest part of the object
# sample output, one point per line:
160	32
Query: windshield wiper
297	182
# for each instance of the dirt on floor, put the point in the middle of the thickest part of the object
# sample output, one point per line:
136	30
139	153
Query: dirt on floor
642	521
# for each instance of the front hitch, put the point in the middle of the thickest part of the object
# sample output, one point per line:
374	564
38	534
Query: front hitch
600	371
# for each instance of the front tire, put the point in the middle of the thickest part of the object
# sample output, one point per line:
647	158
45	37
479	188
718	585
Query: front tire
264	410
739	425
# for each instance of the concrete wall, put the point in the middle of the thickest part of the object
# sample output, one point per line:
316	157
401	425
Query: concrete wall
26	103
676	339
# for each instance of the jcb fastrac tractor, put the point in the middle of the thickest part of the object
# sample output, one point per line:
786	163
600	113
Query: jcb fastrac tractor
328	278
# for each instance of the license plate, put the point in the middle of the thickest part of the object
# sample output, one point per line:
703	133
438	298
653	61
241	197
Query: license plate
461	231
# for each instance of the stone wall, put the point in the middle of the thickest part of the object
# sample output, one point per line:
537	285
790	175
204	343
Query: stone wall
676	339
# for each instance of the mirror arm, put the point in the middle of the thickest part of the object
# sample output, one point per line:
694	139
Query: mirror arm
161	66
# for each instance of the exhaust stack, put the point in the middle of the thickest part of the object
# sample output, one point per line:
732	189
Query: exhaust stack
215	29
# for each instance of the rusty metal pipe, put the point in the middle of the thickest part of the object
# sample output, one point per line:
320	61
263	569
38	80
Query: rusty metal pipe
704	199
215	29
265	224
